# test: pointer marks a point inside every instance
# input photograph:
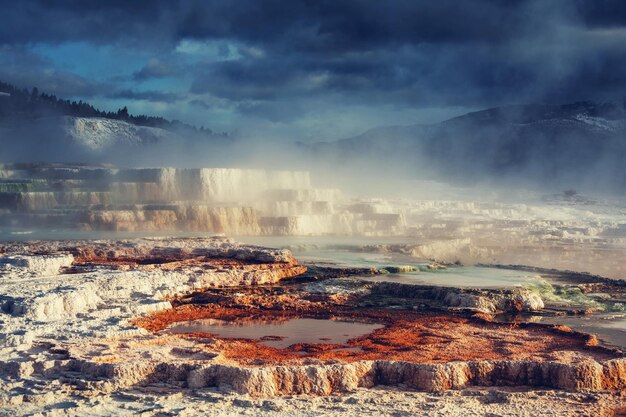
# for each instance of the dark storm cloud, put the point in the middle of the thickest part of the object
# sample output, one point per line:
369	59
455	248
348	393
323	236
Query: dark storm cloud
272	111
26	69
327	25
477	53
319	24
404	52
155	68
602	13
200	103
76	20
155	96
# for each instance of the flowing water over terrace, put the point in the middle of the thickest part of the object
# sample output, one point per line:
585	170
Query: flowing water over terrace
280	334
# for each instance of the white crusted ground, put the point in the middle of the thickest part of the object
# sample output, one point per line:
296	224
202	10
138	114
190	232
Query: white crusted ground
40	303
46	310
381	401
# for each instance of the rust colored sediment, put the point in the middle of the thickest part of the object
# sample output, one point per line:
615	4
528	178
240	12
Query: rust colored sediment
163	263
87	258
407	336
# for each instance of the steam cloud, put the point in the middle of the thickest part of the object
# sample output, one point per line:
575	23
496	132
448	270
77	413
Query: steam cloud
312	72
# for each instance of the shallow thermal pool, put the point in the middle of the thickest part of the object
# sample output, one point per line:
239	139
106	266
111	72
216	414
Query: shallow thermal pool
344	252
608	328
280	334
462	276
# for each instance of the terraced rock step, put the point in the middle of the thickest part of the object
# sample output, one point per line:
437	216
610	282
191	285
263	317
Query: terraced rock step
326	379
219	200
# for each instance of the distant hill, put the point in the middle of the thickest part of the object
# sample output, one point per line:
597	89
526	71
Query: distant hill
21	104
578	146
574	145
37	126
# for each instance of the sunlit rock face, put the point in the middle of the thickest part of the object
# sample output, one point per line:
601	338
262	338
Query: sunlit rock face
223	200
127	269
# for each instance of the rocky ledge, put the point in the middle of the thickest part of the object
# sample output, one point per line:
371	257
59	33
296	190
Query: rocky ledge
67	290
48	281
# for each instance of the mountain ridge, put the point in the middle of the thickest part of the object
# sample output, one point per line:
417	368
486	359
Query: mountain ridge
573	145
578	145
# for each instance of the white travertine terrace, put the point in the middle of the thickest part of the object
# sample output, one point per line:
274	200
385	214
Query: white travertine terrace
40	300
577	234
223	200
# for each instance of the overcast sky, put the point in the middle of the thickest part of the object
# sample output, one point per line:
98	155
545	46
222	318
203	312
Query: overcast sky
315	70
